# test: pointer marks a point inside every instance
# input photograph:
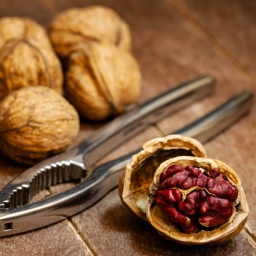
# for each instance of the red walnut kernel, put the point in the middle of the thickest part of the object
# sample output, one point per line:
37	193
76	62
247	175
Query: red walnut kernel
221	187
215	211
208	210
186	178
196	200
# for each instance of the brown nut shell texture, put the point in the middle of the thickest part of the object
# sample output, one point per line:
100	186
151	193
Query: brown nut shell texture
102	80
91	24
35	123
213	208
187	197
22	28
138	174
26	57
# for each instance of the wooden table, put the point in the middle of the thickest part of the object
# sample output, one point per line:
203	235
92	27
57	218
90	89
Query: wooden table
173	41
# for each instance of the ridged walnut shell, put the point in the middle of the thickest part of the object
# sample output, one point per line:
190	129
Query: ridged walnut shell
217	235
26	57
35	123
22	28
138	174
102	80
91	24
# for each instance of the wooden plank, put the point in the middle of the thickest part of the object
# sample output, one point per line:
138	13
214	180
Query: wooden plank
229	26
60	239
170	49
194	57
110	228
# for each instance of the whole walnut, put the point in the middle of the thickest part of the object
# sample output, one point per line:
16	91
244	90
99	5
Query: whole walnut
35	123
26	57
91	24
102	80
22	28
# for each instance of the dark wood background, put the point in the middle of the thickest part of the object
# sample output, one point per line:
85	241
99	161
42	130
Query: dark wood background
173	41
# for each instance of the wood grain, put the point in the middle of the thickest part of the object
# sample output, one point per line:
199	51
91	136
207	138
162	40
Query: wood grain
173	41
229	26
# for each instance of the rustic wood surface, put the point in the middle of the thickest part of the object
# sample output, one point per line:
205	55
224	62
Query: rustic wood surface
174	41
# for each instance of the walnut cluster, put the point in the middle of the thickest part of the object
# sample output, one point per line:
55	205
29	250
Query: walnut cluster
101	78
102	75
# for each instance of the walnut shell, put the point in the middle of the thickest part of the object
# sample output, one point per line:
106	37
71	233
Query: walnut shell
22	28
102	80
35	123
138	174
26	57
82	25
215	236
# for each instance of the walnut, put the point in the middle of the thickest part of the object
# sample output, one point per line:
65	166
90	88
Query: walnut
102	80
26	57
22	28
213	208
82	25
35	123
139	173
187	197
102	77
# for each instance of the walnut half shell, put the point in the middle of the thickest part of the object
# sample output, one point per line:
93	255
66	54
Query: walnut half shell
216	235
187	197
138	175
